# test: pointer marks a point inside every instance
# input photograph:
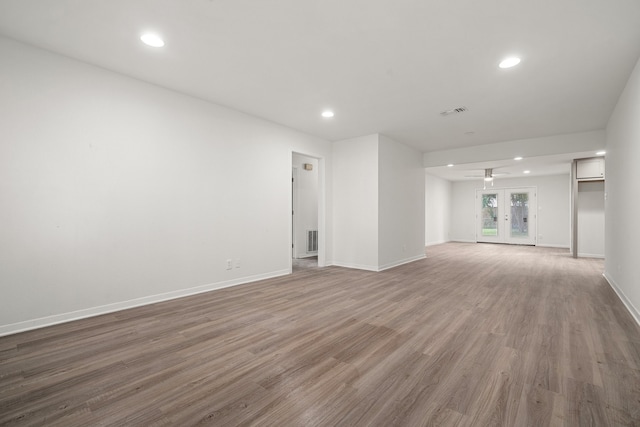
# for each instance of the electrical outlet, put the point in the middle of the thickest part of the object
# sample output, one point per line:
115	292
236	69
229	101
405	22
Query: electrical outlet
229	264
237	262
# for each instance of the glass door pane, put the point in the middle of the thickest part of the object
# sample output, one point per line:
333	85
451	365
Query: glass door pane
506	215
490	214
519	215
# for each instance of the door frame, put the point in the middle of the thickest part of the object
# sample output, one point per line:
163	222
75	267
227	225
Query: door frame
322	218
504	218
294	208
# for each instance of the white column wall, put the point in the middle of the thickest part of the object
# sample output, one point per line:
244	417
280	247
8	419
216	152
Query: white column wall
622	186
437	209
400	204
355	203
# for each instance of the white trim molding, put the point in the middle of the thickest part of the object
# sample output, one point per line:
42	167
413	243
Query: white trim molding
401	262
582	255
635	313
381	267
438	242
355	266
42	322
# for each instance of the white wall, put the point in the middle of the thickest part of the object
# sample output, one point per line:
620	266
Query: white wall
622	205
401	204
437	209
531	147
306	206
355	203
378	203
590	211
116	193
553	198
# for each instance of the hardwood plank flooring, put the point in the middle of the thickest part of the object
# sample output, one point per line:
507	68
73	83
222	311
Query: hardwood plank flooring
474	335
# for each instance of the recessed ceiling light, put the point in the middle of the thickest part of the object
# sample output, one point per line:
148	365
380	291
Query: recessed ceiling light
601	153
450	165
526	172
471	132
152	40
327	114
509	62
517	158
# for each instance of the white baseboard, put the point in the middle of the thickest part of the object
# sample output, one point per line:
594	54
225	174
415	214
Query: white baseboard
378	268
438	242
552	245
42	322
355	266
401	262
635	313
581	255
543	245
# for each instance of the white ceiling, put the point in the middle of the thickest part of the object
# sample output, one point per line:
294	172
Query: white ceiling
383	66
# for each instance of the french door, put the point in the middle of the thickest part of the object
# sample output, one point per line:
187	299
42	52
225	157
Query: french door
506	216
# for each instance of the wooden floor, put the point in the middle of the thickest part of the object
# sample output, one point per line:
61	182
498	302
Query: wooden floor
475	335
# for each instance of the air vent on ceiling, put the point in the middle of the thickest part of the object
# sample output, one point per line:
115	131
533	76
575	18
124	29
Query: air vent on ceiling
453	111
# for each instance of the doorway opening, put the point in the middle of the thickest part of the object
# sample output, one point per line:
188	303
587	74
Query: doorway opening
506	215
305	212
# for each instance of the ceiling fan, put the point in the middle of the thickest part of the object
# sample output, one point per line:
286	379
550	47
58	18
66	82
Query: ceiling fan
488	176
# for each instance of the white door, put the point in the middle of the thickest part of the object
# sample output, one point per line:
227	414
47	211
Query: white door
506	216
